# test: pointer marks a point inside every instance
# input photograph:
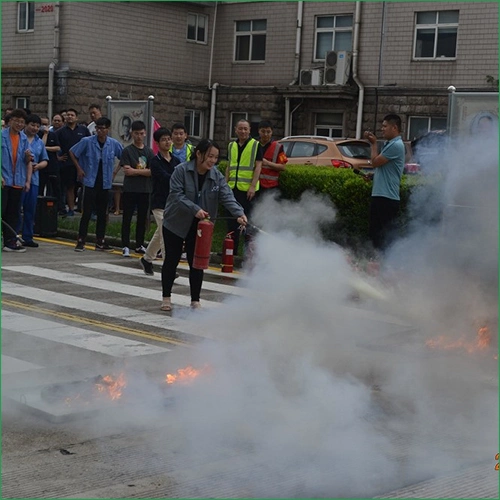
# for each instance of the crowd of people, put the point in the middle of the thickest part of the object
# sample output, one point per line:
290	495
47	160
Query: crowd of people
78	163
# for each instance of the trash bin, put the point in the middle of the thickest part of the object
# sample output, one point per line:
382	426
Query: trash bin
46	216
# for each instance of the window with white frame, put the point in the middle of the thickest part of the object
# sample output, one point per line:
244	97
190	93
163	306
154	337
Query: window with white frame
21	102
197	28
436	34
25	16
193	120
420	125
250	41
329	124
332	33
253	118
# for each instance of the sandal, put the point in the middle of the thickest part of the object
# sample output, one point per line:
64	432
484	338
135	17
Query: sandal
195	305
166	305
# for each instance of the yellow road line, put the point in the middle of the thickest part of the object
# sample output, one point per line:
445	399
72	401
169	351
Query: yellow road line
92	322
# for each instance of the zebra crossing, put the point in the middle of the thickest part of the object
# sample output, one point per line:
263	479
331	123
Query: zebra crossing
100	309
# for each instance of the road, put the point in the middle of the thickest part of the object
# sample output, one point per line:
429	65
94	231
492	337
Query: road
68	317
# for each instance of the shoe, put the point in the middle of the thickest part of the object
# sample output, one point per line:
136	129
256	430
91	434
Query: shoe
14	248
195	305
70	213
30	244
140	250
103	247
80	246
147	266
126	252
184	256
166	305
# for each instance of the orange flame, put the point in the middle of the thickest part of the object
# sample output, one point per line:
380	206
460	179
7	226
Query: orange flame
184	375
480	343
112	387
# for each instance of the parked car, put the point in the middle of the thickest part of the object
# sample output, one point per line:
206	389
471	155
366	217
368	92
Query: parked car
327	151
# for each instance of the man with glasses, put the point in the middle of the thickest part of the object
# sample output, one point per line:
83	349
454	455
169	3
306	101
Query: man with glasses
94	158
162	167
16	177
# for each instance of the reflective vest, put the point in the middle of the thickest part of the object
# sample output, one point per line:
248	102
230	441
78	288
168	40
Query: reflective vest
241	174
189	150
269	177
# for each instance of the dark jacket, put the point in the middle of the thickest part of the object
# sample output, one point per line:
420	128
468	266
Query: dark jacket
161	171
185	200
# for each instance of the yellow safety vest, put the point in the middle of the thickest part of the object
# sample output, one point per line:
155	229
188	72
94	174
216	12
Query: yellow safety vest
241	174
189	150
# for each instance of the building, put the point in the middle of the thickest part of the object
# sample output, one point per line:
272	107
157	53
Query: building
327	68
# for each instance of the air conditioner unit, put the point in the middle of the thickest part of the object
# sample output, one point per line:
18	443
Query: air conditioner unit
310	77
337	67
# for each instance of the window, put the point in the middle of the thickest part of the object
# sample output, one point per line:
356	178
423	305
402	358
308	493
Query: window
22	102
193	120
25	16
197	28
436	34
250	43
252	118
332	33
329	124
420	125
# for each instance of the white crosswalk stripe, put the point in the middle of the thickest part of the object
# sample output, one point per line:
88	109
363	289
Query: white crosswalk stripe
100	284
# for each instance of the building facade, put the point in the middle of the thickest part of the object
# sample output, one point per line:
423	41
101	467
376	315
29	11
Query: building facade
326	68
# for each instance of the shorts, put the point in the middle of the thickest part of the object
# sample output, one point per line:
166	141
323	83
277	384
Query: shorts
68	175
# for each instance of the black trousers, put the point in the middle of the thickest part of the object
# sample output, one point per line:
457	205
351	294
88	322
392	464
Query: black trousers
94	200
383	215
11	213
173	249
232	224
131	201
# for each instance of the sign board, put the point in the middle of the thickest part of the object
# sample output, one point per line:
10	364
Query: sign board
471	112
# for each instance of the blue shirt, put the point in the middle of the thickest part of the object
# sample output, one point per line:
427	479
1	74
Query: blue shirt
183	154
387	178
19	178
89	154
37	148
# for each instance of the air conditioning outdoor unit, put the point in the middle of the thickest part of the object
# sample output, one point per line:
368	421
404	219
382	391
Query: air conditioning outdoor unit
310	77
337	67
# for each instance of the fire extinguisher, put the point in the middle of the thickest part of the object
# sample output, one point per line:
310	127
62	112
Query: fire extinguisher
228	253
203	244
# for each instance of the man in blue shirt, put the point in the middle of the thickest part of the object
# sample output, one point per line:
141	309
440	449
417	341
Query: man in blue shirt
94	158
389	166
39	161
16	177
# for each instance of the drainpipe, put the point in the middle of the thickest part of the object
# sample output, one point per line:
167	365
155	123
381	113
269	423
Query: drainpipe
213	88
286	130
298	43
53	63
359	83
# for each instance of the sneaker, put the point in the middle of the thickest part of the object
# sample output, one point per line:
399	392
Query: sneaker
126	252
140	250
80	246
14	248
31	244
184	256
147	266
103	247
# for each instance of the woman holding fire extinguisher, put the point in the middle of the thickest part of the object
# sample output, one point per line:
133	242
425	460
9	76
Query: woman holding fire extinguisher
196	189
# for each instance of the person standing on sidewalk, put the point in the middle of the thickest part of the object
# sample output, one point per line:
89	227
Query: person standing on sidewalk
29	199
162	167
273	161
242	173
16	176
94	158
389	166
136	187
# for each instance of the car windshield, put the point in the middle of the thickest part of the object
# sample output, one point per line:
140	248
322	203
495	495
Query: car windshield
355	150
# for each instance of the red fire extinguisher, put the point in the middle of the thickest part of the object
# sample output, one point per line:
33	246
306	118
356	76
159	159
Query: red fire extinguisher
203	244
228	253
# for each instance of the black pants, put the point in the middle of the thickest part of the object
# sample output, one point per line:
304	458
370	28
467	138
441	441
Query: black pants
11	212
232	224
94	200
383	215
131	201
173	249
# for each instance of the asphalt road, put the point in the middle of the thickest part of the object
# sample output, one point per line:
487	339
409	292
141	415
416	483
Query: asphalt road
68	318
